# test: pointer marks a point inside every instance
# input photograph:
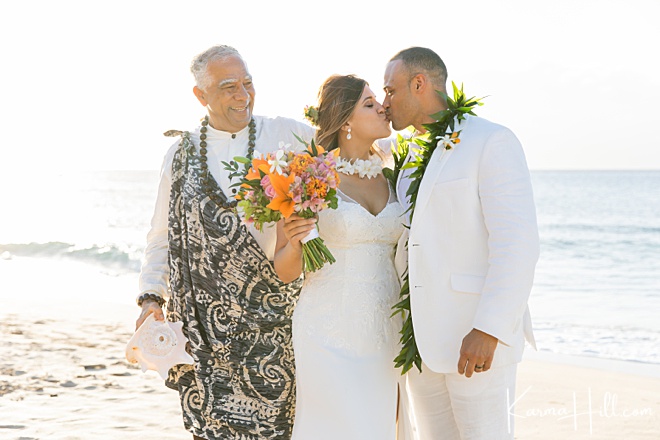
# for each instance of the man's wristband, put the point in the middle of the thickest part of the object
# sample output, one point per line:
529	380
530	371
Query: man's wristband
152	296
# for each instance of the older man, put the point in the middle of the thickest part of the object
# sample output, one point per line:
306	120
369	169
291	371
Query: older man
472	251
216	272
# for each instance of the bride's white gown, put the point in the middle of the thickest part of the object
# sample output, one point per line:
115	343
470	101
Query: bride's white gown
343	336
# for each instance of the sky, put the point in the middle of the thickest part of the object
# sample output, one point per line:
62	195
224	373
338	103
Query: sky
92	85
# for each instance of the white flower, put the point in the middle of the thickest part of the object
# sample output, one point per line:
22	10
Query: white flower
446	141
277	163
290	148
348	168
369	168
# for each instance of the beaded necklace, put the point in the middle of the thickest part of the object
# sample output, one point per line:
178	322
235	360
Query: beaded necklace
206	174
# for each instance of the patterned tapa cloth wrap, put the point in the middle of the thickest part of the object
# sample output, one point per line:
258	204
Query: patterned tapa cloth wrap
236	314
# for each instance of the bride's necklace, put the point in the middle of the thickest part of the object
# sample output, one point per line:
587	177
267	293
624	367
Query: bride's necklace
368	168
206	174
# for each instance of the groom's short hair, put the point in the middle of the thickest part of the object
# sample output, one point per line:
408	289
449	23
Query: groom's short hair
422	60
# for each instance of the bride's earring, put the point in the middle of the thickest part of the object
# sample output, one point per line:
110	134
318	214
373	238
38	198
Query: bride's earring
348	136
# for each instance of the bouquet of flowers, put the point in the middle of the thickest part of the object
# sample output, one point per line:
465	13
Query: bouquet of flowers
289	180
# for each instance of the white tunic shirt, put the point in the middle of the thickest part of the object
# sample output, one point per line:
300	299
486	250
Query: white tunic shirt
222	147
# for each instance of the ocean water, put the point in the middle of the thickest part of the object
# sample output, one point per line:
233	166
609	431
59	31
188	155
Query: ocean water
597	286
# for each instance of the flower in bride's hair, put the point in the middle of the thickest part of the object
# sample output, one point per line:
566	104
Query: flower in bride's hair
312	114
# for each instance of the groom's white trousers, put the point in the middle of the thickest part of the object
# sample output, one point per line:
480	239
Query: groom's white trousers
453	407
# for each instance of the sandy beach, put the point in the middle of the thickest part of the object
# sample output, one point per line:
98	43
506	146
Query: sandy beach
569	401
63	374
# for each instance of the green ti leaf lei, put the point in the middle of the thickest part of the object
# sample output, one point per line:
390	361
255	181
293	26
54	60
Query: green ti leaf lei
441	132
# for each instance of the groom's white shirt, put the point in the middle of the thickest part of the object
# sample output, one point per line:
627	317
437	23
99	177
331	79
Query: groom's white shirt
472	246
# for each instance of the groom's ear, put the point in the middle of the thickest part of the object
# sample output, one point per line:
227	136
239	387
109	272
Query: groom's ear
419	83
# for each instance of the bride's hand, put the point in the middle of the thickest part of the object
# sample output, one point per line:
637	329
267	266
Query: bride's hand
296	228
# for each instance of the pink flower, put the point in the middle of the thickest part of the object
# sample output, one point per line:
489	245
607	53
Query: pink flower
268	187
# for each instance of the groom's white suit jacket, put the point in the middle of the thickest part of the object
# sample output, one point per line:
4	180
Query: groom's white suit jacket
472	246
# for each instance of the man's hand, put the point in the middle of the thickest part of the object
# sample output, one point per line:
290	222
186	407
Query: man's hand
477	352
148	307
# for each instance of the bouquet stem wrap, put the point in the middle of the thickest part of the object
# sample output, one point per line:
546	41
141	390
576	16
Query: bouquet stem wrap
315	253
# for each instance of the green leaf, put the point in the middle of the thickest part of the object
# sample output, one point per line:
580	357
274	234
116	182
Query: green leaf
442	94
442	114
418	363
457	93
315	151
241	159
300	140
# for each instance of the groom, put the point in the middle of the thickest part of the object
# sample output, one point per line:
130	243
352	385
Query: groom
472	250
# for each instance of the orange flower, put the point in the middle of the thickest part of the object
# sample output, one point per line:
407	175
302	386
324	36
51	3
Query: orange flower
300	163
319	149
283	200
257	164
316	188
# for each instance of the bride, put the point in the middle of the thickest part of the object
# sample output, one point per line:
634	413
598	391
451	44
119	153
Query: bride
344	337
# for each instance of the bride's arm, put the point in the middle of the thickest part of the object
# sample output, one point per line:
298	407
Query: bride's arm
288	250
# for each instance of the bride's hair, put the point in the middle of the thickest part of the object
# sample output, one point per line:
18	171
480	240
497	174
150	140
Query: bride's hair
338	97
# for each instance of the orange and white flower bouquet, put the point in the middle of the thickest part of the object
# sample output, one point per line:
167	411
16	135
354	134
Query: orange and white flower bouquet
287	181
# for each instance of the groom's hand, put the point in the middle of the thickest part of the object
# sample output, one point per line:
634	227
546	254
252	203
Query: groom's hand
477	353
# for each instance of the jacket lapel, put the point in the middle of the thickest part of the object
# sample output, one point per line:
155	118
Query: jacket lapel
436	164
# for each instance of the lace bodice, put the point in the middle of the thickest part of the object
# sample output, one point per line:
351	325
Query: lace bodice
348	304
351	224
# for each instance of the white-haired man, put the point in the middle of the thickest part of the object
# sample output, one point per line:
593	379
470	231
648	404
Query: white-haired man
216	273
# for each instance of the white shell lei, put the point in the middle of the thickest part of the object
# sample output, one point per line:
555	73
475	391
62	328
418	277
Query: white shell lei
158	345
368	168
